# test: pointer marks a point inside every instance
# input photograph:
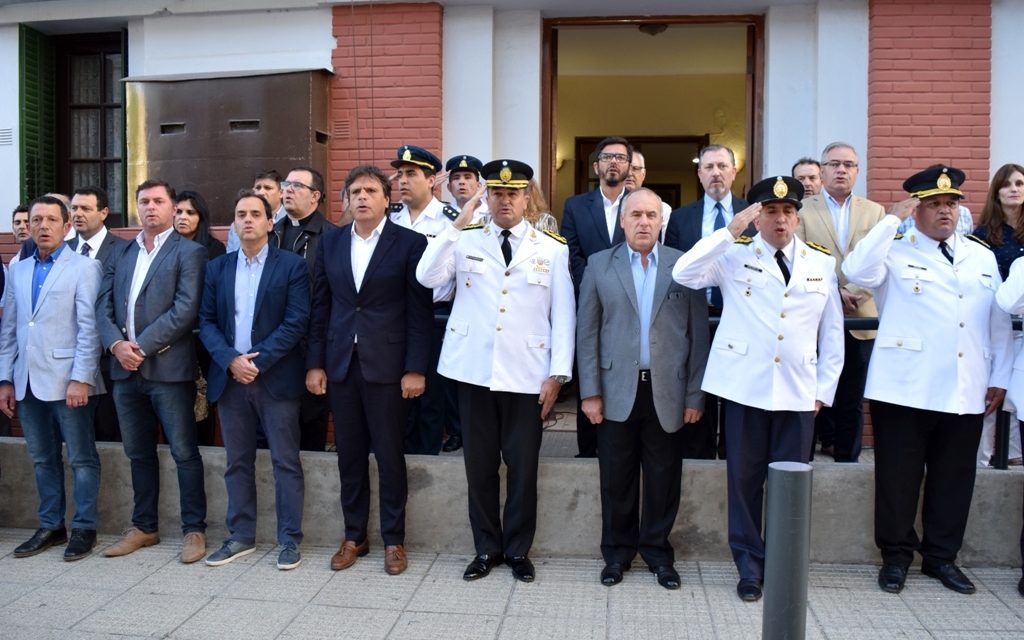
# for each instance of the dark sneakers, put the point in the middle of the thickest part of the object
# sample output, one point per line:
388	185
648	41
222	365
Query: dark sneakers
42	540
80	545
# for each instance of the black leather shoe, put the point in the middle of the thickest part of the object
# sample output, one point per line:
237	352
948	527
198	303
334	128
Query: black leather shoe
481	566
611	575
668	577
80	545
522	568
950	576
453	443
40	541
1020	586
748	589
891	578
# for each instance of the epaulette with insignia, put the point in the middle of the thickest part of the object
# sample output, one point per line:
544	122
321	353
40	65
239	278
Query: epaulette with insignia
450	212
899	236
470	227
818	247
744	240
555	236
395	207
971	236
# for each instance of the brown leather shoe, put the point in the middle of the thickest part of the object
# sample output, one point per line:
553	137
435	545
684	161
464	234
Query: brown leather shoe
395	561
348	553
194	547
131	541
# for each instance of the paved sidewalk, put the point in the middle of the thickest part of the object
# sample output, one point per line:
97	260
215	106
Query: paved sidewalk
149	594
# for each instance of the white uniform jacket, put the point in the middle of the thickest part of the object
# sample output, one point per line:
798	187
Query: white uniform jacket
778	347
1010	297
432	222
510	327
942	339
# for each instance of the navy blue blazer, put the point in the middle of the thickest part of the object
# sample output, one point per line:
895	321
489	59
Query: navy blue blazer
586	230
392	313
684	225
278	326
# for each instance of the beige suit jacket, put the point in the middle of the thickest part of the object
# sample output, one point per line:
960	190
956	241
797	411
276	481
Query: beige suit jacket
816	225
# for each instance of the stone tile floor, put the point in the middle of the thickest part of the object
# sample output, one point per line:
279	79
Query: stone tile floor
149	594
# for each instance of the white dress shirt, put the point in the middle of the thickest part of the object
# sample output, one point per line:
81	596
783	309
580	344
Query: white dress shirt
142	262
611	213
248	272
93	242
840	216
362	251
707	226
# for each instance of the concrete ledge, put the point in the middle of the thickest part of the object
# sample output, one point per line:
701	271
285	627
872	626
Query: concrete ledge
569	518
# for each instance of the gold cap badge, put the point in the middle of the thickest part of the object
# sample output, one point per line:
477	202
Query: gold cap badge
407	155
780	189
943	182
505	174
462	163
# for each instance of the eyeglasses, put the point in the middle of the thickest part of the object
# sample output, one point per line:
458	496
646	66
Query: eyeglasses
285	184
613	157
636	169
835	164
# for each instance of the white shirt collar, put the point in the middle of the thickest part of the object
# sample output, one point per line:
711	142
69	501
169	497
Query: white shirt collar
376	231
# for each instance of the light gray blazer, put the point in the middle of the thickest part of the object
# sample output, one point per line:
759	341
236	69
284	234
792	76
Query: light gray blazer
608	338
58	341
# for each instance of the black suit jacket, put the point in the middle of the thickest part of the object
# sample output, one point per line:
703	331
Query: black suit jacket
106	249
684	225
391	313
586	230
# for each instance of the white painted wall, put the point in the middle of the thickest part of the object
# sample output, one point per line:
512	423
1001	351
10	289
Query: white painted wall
517	105
467	82
10	169
1007	88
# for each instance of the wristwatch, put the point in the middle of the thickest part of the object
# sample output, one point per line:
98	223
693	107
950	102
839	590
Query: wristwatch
560	379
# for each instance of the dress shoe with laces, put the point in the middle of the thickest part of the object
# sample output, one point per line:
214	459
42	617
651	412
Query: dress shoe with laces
891	578
395	561
522	568
193	548
950	576
453	443
40	541
131	541
349	552
481	566
748	589
668	577
80	544
611	575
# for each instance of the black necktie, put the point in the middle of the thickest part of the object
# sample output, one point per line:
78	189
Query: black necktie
85	249
781	259
506	246
944	248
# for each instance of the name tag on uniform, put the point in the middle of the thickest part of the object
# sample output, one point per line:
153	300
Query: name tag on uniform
986	275
753	268
476	258
818	279
914	266
541	265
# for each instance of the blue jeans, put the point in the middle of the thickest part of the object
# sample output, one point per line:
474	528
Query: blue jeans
243	408
45	425
141	404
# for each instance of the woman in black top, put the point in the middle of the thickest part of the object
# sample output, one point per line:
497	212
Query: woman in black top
192	220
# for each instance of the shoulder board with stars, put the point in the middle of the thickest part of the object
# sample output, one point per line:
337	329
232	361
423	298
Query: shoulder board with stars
744	240
450	212
971	236
899	236
555	236
818	247
395	207
470	227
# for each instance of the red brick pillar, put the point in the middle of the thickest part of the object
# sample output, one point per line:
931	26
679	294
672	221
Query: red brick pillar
929	93
387	87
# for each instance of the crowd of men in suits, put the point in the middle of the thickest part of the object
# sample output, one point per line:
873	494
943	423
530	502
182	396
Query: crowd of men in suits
305	317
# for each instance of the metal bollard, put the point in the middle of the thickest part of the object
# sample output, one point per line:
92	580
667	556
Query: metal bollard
787	551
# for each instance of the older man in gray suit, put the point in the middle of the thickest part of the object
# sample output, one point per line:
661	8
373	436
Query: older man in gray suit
642	343
147	307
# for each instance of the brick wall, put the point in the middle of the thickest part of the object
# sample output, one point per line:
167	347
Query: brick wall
929	93
387	87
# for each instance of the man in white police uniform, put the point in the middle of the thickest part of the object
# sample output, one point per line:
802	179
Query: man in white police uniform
776	356
941	362
509	343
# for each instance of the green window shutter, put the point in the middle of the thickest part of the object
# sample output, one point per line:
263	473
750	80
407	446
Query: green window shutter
38	122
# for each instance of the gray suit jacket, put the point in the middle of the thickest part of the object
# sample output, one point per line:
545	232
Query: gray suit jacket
56	342
165	310
608	338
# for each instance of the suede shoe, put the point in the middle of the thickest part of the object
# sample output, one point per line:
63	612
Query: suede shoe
131	541
40	541
522	568
230	551
891	578
80	545
950	576
395	561
749	589
194	547
481	566
611	575
346	556
668	577
289	557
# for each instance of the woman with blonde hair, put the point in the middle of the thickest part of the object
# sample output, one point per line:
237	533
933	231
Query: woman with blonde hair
537	209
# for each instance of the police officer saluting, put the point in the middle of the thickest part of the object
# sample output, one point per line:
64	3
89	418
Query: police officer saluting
941	362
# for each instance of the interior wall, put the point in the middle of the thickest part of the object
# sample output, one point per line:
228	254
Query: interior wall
678	105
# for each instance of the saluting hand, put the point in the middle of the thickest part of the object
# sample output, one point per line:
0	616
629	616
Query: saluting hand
904	209
468	211
744	219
